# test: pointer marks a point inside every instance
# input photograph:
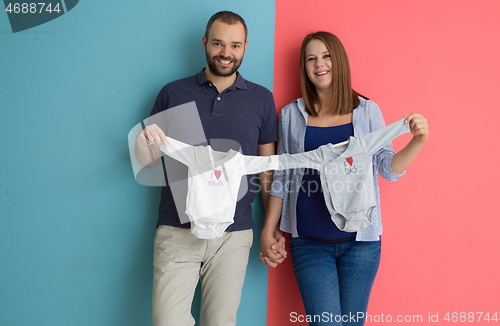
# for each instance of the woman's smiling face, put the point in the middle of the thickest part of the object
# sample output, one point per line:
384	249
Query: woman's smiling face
318	64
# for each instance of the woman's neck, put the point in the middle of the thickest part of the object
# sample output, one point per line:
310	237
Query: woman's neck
325	118
325	101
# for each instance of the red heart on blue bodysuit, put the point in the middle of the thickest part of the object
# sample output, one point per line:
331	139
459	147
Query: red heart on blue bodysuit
349	160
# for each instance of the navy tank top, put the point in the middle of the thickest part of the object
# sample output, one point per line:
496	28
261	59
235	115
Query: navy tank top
313	218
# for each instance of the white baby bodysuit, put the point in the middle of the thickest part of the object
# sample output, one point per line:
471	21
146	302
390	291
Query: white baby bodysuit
346	174
213	182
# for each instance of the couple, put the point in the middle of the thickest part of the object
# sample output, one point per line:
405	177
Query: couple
334	269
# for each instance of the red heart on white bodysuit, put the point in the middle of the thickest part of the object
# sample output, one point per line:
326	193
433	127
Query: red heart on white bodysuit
349	160
217	174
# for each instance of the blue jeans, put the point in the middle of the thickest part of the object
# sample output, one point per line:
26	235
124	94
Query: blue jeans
335	280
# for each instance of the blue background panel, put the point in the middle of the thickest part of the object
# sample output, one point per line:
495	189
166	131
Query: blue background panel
76	230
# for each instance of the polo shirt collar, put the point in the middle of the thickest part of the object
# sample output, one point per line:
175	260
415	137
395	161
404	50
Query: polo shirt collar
240	82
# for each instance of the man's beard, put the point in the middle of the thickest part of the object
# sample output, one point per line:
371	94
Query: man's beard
212	65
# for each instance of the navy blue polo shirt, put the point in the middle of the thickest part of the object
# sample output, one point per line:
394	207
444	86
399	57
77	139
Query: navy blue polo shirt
244	112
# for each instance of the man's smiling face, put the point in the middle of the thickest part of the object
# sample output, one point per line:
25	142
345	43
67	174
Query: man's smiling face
225	48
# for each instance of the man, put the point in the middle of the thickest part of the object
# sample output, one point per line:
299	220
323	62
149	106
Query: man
230	108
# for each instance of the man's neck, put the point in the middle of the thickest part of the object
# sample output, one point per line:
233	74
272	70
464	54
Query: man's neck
222	83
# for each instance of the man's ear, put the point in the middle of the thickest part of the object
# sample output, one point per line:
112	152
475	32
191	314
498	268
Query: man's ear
204	42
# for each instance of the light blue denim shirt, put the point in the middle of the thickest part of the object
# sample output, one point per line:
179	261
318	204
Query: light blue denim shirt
366	118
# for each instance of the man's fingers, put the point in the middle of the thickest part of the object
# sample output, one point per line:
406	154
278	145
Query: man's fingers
154	134
283	252
148	136
274	256
269	263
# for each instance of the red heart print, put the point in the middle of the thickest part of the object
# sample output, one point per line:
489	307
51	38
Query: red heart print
217	174
349	160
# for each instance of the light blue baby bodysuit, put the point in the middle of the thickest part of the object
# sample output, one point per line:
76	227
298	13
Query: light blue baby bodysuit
346	174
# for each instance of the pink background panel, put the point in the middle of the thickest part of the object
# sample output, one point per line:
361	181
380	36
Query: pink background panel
438	58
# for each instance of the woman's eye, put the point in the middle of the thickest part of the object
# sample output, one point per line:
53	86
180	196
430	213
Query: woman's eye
311	59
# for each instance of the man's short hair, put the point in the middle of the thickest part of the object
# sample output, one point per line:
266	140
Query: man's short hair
227	17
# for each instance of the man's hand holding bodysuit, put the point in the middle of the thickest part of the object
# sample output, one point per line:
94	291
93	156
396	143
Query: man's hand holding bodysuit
147	146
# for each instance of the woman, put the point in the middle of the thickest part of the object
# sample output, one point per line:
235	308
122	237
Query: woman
335	270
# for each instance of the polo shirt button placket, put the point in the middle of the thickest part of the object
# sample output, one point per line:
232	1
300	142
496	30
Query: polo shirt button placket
216	111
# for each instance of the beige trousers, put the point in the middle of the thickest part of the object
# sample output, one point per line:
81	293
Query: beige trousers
181	260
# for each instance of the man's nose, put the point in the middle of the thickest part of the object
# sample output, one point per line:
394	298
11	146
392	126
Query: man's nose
224	51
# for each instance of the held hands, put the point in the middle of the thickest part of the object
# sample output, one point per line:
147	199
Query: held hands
419	127
273	248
